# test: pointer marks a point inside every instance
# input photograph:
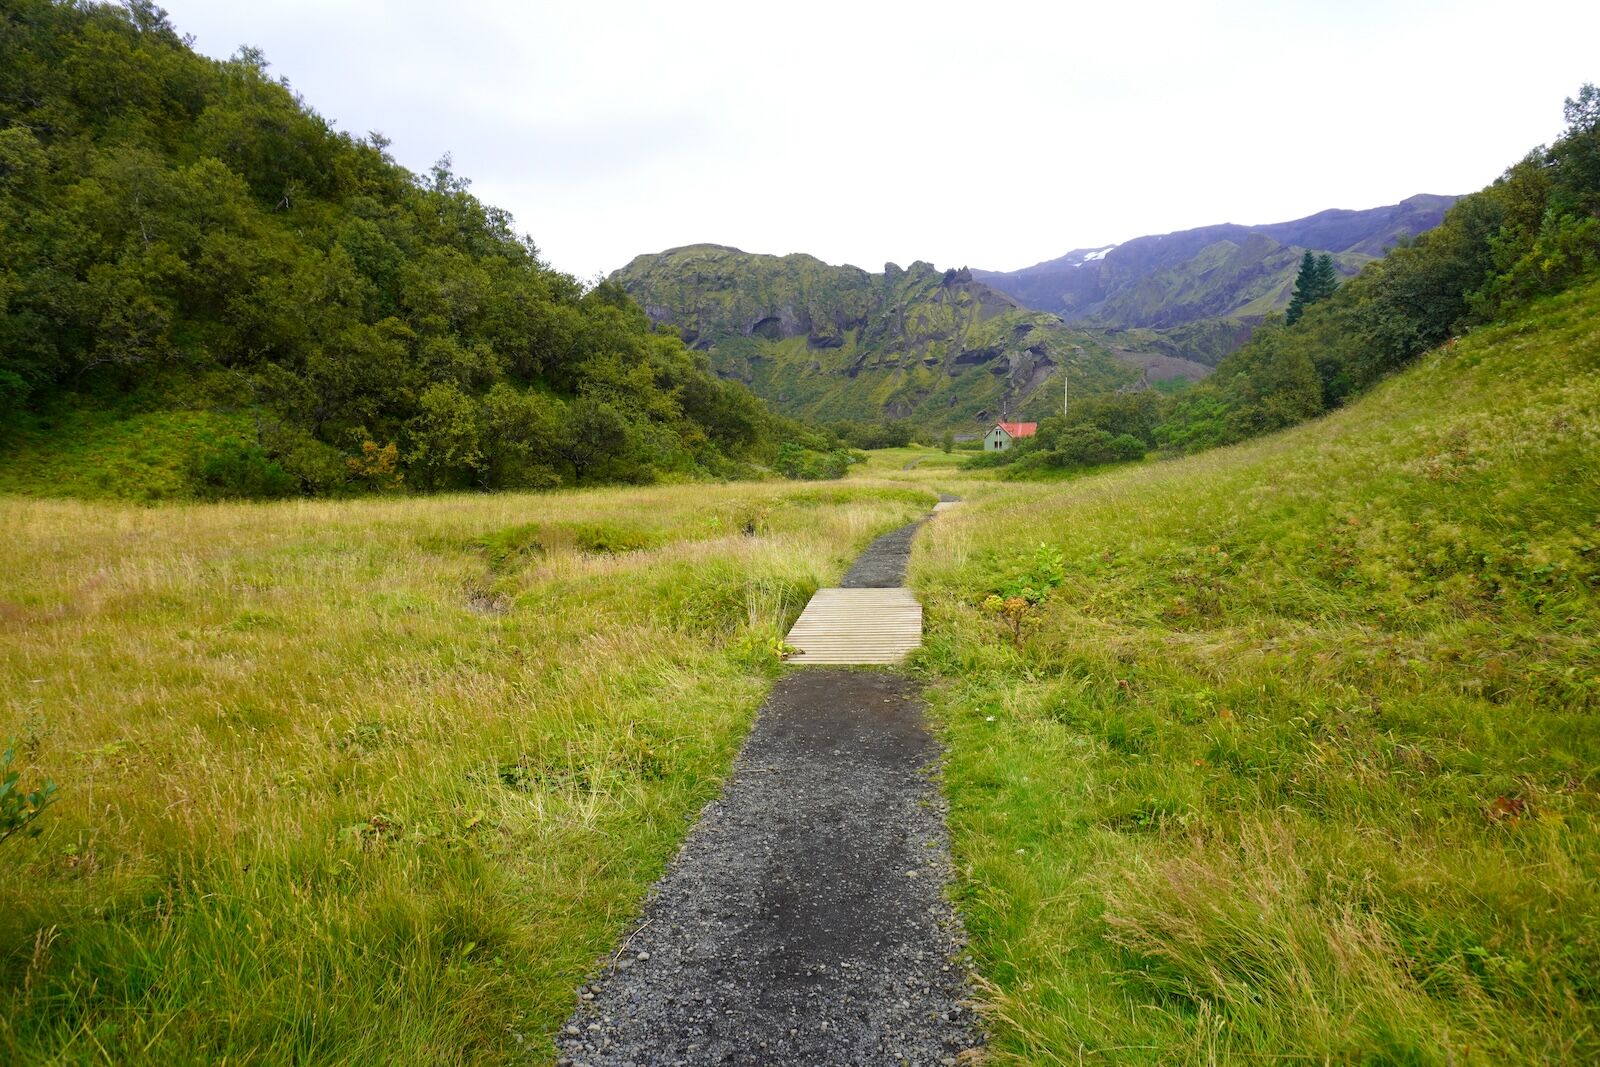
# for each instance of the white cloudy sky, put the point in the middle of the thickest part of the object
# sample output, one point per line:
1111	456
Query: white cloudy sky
989	134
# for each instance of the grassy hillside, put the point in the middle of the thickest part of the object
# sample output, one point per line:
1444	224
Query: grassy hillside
373	781
1299	760
838	343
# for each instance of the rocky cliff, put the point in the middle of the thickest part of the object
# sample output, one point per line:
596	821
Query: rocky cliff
838	342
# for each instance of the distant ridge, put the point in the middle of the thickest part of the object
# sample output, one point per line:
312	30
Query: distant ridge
1209	281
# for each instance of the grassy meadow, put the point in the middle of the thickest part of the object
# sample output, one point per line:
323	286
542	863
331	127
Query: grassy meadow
1298	761
1294	759
372	781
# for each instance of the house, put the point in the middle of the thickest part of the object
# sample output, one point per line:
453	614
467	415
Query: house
1004	433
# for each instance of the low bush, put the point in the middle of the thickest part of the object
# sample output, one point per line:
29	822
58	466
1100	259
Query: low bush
239	470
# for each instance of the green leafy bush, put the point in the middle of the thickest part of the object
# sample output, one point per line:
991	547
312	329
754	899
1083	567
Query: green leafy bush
797	461
239	470
20	807
1046	571
1089	446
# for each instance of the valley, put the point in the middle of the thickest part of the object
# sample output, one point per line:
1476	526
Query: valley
837	343
465	733
958	349
413	653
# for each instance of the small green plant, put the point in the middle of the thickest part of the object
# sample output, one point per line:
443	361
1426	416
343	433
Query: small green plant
762	649
1016	601
1047	571
19	808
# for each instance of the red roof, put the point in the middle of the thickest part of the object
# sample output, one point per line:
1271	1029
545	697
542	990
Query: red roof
1019	429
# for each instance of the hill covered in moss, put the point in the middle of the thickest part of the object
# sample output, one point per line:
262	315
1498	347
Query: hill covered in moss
839	342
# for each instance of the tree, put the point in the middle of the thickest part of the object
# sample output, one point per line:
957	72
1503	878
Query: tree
1316	281
593	436
446	438
1268	384
1326	278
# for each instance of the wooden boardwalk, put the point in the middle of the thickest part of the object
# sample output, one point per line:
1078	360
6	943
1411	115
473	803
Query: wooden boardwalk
846	626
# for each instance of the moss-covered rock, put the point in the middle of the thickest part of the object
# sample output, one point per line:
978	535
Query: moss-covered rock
830	342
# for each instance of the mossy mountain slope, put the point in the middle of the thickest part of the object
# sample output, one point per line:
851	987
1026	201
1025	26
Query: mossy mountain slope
839	342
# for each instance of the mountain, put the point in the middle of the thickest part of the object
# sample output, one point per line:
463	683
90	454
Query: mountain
839	342
1202	289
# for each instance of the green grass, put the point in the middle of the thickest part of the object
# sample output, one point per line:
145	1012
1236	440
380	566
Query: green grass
1298	762
372	781
115	452
1301	762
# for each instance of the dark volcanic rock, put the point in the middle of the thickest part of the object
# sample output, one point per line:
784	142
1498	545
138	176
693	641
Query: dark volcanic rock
973	357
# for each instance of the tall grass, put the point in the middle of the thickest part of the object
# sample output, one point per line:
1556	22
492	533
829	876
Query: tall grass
1301	763
373	781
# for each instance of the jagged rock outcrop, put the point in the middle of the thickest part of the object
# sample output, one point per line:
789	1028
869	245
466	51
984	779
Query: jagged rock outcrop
837	342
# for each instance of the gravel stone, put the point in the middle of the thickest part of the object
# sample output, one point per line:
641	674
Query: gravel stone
883	564
786	920
806	910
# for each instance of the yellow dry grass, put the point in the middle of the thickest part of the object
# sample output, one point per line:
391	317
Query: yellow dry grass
371	780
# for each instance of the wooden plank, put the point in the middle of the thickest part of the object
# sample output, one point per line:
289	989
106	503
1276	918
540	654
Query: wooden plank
867	626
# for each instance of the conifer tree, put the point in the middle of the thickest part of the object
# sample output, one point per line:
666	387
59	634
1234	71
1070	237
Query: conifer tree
1327	277
1316	281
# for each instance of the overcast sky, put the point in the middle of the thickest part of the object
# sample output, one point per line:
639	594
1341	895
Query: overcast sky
985	134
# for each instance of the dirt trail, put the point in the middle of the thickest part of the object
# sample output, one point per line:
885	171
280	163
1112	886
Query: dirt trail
804	920
883	564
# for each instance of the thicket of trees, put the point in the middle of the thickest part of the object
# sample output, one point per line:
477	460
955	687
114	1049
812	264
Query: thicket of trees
189	230
1094	430
889	433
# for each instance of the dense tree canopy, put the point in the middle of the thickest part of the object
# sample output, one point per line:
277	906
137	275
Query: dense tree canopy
189	231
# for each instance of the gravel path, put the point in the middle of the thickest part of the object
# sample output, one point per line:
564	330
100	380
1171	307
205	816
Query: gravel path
804	920
883	564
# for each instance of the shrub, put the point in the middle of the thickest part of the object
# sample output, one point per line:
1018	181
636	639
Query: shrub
19	808
1089	446
241	470
797	461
